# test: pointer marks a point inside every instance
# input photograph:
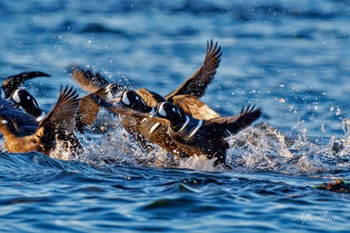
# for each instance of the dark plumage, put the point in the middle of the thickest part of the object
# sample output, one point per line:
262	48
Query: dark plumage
13	82
186	96
22	98
197	84
58	124
203	137
180	134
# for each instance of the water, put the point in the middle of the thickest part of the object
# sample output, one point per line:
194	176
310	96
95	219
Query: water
291	58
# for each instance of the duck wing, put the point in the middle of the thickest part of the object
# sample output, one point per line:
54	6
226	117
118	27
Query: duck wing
88	109
86	79
233	124
11	83
191	105
62	116
197	84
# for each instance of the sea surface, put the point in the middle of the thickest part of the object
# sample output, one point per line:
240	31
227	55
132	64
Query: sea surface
292	58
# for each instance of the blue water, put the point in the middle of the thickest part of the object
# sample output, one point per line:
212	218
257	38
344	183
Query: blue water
291	58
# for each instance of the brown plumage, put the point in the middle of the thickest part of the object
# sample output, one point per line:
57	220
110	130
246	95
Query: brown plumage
197	84
58	124
203	137
186	96
180	134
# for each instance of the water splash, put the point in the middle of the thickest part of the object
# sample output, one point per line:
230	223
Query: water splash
264	147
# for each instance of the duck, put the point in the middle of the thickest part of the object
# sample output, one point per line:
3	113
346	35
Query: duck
14	91
186	95
28	135
179	133
22	98
203	137
146	131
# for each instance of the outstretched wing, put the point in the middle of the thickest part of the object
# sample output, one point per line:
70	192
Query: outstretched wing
197	84
61	118
233	124
191	105
11	83
88	109
87	80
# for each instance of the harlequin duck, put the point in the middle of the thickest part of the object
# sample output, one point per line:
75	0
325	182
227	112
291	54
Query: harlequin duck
58	124
186	96
147	130
21	97
12	87
203	137
134	115
180	134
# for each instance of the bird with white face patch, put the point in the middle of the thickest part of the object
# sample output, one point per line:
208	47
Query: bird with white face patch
14	91
23	133
203	137
145	130
186	95
21	97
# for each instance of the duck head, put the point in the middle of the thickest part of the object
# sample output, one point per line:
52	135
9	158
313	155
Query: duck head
24	99
172	113
132	100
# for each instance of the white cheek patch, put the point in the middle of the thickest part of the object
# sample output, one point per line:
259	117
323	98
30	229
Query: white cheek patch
137	98
125	100
154	127
15	97
4	122
162	111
